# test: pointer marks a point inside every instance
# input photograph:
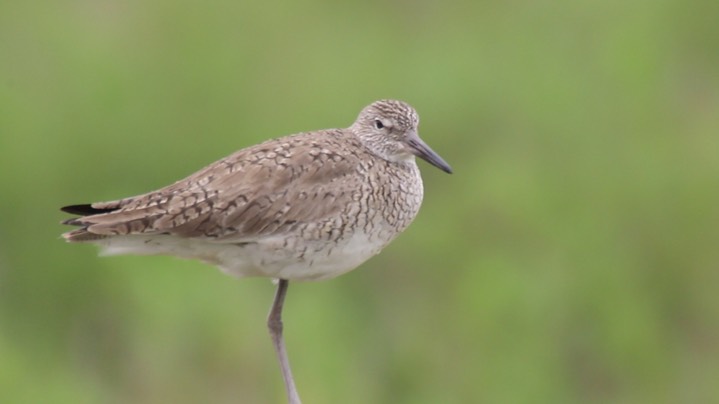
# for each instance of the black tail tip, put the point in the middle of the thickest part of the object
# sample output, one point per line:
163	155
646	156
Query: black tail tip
83	209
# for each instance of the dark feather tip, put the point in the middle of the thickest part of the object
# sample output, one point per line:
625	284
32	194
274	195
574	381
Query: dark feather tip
83	210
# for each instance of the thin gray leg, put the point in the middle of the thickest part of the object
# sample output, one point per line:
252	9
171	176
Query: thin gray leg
274	323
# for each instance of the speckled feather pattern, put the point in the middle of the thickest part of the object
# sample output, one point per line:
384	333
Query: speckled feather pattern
306	206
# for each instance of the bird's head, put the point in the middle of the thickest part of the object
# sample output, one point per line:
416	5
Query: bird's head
388	128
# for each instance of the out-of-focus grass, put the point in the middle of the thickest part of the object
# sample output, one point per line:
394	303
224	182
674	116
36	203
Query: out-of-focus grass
572	257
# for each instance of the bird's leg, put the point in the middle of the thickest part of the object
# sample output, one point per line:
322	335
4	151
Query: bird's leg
274	323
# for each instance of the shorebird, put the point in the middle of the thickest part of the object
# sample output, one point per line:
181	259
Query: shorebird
308	206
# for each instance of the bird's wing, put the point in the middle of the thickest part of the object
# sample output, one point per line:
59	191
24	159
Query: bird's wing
250	194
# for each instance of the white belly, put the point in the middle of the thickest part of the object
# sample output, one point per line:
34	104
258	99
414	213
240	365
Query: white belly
272	257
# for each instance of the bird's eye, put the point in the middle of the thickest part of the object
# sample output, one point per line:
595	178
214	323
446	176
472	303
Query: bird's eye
378	124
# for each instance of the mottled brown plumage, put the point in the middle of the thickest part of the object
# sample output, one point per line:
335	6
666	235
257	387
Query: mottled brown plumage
306	206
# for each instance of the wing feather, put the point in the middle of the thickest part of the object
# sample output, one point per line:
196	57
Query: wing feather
253	193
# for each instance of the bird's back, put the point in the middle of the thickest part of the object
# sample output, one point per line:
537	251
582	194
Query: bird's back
307	206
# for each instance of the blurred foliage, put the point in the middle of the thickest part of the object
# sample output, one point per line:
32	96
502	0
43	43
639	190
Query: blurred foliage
572	257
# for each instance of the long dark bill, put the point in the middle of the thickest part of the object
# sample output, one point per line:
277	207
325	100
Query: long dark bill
421	150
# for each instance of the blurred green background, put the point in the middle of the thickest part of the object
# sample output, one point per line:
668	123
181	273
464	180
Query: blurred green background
572	257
